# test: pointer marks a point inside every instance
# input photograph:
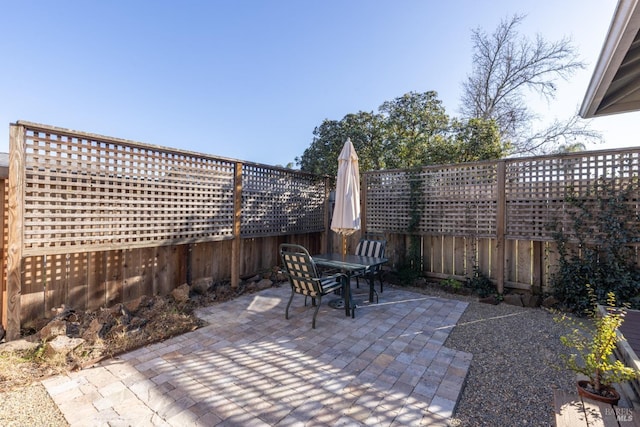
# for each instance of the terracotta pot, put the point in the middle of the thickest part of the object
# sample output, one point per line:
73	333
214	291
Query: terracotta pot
612	399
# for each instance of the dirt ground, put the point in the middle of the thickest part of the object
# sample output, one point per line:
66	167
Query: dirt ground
108	332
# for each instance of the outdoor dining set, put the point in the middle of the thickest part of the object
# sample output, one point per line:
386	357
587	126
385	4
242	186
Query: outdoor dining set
329	273
323	274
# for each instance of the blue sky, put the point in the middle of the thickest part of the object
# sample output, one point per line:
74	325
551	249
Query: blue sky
250	79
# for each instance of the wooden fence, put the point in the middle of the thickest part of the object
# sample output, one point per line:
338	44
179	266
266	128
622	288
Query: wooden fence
495	216
94	220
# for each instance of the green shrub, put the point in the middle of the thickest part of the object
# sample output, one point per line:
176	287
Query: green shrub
595	246
593	347
452	283
407	275
481	284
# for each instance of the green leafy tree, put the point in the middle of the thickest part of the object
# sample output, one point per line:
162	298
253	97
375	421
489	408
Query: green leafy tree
470	141
411	131
416	125
366	133
324	149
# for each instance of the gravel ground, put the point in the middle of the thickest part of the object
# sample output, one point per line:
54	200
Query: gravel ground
510	382
29	406
515	365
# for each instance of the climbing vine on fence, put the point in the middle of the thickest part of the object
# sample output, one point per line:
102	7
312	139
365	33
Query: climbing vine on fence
597	244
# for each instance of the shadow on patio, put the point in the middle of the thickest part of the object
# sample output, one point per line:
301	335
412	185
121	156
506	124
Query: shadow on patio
251	367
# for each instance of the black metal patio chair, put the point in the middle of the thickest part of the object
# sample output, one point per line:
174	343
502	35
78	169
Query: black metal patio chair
305	279
372	246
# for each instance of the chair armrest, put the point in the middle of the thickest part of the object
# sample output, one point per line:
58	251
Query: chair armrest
331	283
337	276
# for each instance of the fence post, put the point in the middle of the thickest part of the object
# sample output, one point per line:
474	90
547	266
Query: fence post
325	245
11	316
363	206
3	253
237	217
501	213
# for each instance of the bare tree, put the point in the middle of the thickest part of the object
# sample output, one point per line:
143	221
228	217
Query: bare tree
506	68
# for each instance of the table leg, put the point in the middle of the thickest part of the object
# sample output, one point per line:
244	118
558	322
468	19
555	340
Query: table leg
371	288
346	294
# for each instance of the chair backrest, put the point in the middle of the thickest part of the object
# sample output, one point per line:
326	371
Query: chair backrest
372	248
300	269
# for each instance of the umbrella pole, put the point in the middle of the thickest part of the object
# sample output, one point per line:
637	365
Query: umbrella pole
344	246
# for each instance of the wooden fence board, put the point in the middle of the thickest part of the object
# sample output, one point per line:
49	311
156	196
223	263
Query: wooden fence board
524	262
113	275
137	273
4	212
511	260
538	259
202	256
33	288
76	280
437	251
96	280
222	260
459	256
428	261
57	284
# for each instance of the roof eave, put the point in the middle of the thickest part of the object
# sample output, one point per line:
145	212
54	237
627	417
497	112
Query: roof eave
622	32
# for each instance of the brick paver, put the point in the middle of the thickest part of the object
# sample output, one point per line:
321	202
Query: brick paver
251	367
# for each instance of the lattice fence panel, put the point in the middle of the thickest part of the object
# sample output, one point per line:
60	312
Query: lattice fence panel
535	193
460	200
453	200
276	201
83	193
388	199
537	189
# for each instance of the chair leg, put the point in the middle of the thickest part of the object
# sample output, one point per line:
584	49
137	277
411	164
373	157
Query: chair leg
380	278
286	312
315	312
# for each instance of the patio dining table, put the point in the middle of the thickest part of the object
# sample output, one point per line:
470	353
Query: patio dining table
350	264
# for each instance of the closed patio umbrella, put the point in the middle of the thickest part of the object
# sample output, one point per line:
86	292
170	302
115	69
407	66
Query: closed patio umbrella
346	213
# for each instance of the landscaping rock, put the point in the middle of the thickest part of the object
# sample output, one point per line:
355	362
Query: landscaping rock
53	329
136	324
420	282
201	286
531	301
264	284
489	300
73	329
96	329
513	299
550	302
120	314
143	301
181	293
19	345
63	345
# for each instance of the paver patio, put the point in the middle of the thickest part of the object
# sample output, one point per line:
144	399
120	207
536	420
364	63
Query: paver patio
251	367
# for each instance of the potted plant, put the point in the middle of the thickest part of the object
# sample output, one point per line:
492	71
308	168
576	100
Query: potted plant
593	351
